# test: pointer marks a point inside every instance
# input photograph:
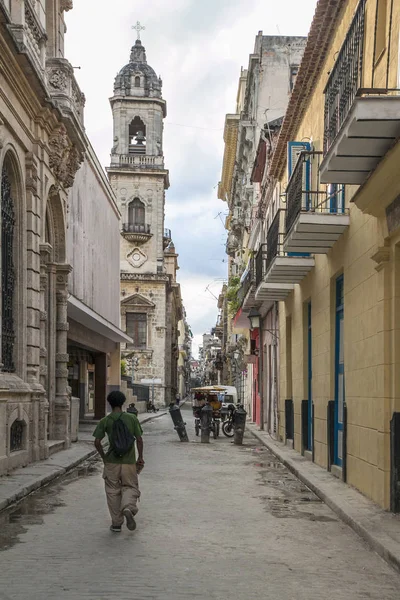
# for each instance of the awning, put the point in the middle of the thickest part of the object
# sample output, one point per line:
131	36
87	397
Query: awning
81	313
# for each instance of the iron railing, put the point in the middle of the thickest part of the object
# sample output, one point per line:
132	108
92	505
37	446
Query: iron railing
260	264
246	283
305	192
345	79
135	228
272	241
16	436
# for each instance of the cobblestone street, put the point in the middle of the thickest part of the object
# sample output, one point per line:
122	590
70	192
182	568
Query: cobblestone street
216	522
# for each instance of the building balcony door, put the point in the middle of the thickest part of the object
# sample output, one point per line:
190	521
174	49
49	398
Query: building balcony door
339	374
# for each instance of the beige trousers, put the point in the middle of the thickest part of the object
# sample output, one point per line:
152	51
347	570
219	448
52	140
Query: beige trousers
122	490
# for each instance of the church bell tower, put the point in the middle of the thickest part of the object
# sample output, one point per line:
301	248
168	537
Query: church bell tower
139	180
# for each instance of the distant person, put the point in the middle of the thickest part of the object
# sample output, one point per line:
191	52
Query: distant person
120	465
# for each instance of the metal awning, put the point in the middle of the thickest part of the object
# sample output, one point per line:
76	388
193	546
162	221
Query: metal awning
83	314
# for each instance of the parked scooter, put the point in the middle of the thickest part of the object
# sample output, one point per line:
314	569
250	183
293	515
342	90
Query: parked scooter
228	426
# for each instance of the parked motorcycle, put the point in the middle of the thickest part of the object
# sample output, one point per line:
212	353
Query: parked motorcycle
228	426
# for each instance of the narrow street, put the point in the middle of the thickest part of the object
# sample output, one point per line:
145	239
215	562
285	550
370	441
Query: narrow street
216	522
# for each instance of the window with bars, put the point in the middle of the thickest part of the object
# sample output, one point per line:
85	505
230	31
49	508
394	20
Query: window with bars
7	219
137	212
136	328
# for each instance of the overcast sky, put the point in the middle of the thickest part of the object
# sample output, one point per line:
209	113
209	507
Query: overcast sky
198	47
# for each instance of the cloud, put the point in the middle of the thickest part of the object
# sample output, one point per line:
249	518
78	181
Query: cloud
198	48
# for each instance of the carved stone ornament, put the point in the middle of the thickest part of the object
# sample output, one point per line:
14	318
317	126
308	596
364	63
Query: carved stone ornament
136	258
66	5
65	158
2	134
58	80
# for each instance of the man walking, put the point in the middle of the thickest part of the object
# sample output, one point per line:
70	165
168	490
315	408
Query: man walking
120	465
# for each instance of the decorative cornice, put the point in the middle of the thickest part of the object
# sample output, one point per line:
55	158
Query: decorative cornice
381	257
161	277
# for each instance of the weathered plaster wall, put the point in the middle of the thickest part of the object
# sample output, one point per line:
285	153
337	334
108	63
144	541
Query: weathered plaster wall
93	241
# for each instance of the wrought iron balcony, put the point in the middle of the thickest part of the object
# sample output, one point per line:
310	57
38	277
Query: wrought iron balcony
316	215
277	270
133	232
246	290
360	124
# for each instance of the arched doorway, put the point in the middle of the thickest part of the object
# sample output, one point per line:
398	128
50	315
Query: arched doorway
54	321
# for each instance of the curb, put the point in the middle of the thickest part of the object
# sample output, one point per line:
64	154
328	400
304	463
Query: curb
44	480
56	471
373	538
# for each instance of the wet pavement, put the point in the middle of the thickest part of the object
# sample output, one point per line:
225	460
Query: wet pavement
216	522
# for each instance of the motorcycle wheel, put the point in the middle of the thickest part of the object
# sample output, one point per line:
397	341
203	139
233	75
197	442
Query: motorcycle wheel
227	429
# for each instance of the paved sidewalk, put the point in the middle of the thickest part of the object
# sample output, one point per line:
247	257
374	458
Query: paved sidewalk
379	528
21	482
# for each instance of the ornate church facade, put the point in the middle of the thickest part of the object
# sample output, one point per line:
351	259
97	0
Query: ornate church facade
150	296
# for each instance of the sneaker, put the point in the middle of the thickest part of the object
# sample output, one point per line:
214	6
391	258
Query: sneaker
130	521
115	528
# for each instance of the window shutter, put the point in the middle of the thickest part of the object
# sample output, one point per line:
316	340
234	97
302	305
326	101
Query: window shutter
294	149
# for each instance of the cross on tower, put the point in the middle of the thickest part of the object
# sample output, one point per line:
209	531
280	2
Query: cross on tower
138	28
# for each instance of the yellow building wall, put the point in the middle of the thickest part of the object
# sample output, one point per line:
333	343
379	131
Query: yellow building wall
369	305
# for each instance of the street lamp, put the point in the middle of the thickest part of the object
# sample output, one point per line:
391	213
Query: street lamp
254	318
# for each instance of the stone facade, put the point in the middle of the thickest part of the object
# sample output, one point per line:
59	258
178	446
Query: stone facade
42	146
150	296
264	90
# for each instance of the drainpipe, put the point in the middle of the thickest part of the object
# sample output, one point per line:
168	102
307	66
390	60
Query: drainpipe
275	370
260	372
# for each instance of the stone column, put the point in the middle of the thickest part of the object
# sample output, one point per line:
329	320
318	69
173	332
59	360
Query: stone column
62	400
51	346
45	252
114	379
100	386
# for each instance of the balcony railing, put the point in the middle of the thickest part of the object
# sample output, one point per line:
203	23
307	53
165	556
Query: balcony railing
305	193
260	263
273	245
246	283
138	161
136	228
345	79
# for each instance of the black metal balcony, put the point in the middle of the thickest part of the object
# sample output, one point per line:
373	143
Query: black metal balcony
316	215
361	123
247	282
260	263
345	79
135	228
278	270
272	241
